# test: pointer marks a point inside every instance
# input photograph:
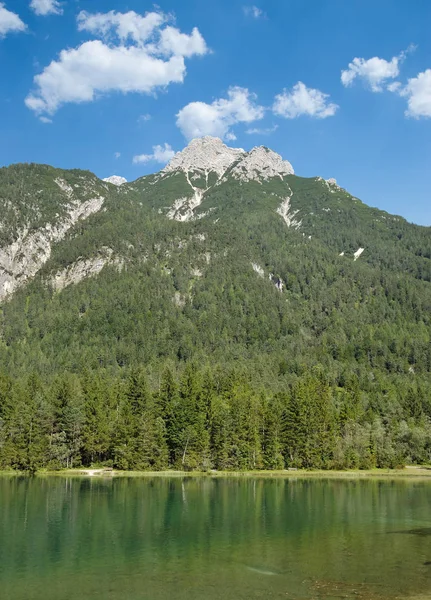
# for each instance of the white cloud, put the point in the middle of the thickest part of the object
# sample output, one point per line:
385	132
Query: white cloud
152	60
375	72
125	26
45	119
253	11
144	118
198	118
117	154
263	131
140	29
161	154
230	137
395	86
46	7
92	68
10	22
172	41
418	93
303	101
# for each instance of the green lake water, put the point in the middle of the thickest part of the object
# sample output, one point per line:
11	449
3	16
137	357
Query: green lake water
168	539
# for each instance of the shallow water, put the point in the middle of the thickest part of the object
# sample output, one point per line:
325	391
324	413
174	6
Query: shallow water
140	538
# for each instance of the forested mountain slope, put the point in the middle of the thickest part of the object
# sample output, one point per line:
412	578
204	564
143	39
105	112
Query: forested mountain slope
273	289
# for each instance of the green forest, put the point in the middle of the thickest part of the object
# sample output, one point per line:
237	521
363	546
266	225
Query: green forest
229	342
209	419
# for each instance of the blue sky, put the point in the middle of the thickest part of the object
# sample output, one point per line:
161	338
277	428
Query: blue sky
116	87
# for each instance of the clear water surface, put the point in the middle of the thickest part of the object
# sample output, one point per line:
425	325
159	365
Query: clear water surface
207	539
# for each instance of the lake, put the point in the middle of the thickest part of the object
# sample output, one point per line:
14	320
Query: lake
202	538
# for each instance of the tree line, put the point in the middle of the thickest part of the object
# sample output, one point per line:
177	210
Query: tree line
206	418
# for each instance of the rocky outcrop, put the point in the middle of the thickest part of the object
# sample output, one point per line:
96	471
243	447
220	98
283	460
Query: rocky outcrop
258	269
260	165
358	253
23	258
84	268
288	215
332	185
183	208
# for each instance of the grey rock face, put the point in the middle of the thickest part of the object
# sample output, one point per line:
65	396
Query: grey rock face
22	259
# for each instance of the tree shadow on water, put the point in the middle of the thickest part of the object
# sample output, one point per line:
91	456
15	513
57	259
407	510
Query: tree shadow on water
421	531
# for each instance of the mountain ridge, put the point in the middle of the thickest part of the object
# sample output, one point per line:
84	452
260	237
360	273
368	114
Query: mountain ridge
191	187
210	155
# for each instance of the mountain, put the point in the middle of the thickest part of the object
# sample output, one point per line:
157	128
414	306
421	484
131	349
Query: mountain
115	180
274	285
215	218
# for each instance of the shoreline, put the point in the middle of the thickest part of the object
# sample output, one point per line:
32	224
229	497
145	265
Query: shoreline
409	472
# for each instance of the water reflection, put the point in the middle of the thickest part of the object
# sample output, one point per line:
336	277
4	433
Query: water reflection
212	538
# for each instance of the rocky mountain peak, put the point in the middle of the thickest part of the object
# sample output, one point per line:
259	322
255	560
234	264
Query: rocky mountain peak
115	180
205	154
210	154
261	163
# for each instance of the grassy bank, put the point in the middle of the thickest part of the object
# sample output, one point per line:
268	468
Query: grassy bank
421	472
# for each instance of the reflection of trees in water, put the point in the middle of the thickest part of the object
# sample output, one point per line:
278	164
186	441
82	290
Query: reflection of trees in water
324	531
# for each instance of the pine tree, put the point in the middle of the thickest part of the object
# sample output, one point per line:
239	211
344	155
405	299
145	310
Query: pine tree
65	439
168	401
97	432
272	432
